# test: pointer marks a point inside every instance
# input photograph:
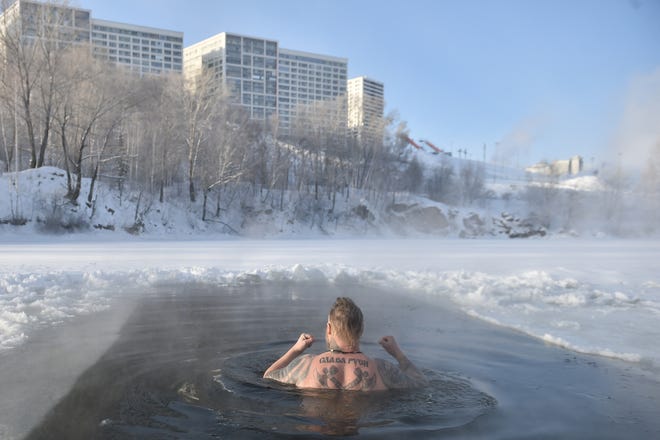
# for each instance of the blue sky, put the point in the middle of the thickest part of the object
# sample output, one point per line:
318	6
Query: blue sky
530	79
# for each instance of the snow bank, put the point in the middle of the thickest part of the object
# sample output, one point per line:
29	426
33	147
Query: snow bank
33	202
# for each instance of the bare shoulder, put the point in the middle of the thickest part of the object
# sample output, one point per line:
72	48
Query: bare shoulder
295	372
394	378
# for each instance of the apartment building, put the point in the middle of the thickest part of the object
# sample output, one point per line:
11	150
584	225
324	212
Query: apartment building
139	48
29	20
304	78
247	66
142	49
366	104
265	79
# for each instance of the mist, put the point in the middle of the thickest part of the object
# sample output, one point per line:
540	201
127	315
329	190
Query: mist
52	358
637	143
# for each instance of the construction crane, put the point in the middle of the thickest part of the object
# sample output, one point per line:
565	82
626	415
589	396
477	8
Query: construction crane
436	149
411	142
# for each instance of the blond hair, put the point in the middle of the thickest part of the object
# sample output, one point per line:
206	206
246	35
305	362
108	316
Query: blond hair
347	321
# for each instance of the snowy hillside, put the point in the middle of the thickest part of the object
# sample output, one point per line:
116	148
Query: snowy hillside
33	202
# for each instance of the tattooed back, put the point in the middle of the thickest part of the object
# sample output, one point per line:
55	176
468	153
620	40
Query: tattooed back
343	371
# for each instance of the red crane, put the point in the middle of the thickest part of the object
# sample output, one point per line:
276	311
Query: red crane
411	142
436	149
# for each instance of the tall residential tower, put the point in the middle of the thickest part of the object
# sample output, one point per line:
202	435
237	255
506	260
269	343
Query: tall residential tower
140	48
246	65
366	104
265	79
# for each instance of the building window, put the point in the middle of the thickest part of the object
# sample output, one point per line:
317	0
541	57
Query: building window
257	74
234	71
271	48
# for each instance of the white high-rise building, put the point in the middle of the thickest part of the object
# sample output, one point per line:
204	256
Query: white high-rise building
28	20
265	79
246	65
366	105
140	48
305	78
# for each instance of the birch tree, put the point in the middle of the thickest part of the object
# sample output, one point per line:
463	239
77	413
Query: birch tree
197	102
33	47
231	142
92	106
162	127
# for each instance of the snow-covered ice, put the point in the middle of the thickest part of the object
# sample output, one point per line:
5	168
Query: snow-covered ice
600	297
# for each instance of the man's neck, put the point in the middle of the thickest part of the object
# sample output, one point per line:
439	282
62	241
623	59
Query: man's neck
335	350
337	347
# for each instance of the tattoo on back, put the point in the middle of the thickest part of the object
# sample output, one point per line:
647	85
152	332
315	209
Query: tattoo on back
328	374
362	381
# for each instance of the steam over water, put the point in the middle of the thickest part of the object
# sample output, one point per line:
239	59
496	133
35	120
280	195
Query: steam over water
188	364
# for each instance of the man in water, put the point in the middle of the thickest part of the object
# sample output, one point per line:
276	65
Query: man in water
344	366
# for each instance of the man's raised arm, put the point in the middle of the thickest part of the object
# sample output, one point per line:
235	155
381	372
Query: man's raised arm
406	375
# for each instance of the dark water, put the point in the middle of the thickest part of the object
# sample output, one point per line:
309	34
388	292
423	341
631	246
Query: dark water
188	365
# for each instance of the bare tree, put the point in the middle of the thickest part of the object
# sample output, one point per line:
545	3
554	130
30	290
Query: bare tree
413	176
441	185
319	129
197	101
8	133
471	181
91	109
226	161
161	127
33	43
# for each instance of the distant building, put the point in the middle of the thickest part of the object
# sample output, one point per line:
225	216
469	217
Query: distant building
247	66
265	79
30	20
304	78
570	166
141	49
366	105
